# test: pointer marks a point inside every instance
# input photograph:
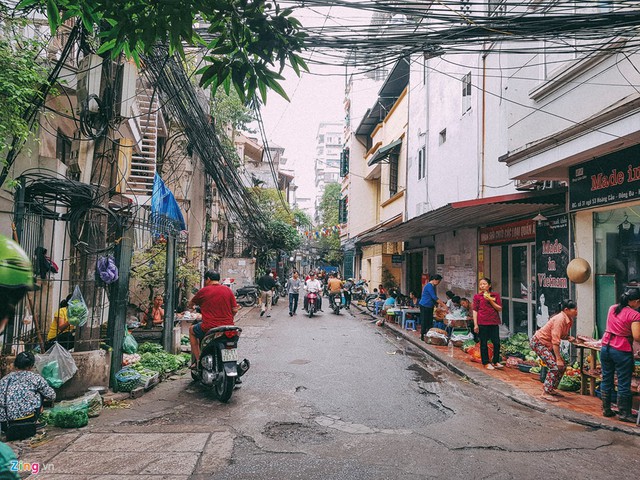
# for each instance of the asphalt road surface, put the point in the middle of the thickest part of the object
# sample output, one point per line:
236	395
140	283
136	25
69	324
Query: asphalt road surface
333	397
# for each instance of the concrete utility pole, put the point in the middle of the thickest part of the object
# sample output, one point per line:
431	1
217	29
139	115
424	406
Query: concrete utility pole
119	299
169	300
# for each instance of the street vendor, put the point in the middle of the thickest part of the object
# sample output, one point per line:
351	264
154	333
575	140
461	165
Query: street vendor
61	330
22	391
546	343
157	312
616	354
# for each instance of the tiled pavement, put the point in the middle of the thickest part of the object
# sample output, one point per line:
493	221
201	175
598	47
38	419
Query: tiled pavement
524	388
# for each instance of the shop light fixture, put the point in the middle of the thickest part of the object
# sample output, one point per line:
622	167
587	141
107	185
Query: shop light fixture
539	218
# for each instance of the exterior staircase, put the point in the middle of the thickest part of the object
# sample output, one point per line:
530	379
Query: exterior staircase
145	153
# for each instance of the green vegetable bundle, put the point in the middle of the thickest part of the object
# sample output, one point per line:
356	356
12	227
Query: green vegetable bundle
73	416
569	384
161	361
149	347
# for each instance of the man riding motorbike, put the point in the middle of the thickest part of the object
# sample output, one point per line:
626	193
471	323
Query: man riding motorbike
313	285
334	285
218	307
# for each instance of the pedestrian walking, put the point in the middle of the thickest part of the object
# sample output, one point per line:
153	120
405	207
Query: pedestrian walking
546	343
427	303
487	306
293	288
266	284
616	354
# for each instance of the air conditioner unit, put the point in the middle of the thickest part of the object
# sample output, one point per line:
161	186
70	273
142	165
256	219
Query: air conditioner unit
88	81
126	89
526	184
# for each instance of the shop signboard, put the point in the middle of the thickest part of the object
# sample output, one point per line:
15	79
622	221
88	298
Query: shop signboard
513	232
396	259
613	178
552	258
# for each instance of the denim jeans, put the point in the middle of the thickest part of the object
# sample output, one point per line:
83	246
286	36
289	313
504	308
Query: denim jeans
616	362
293	302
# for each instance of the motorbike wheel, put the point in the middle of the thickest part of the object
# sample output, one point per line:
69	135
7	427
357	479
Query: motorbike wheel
310	312
224	388
283	293
194	376
250	300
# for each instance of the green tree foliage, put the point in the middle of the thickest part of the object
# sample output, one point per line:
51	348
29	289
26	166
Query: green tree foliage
249	42
20	79
148	269
329	247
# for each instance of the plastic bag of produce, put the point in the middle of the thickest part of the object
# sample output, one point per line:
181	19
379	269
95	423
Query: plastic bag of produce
129	345
475	353
127	379
77	310
70	416
56	365
92	401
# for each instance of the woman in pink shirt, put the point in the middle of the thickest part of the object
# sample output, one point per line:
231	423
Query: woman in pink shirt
487	306
616	355
546	343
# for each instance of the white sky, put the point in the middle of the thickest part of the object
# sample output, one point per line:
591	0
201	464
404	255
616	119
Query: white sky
316	97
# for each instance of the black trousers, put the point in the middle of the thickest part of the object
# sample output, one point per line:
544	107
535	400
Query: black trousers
426	320
486	333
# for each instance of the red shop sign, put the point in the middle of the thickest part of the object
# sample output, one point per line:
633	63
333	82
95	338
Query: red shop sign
508	233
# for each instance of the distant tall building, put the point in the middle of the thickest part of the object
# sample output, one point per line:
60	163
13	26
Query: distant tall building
327	160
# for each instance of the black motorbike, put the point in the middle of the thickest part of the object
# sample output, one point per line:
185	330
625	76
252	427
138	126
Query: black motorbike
218	367
247	296
336	302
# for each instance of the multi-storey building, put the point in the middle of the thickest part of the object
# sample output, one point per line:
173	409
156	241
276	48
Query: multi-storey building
327	158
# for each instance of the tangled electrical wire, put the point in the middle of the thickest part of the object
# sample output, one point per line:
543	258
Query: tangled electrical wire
55	197
182	101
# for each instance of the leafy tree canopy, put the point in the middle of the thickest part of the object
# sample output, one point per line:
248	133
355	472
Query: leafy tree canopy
249	42
329	246
20	80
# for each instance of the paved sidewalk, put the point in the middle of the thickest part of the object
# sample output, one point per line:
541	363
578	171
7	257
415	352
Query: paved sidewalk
520	387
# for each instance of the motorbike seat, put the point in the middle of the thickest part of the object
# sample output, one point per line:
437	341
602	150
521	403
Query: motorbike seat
224	328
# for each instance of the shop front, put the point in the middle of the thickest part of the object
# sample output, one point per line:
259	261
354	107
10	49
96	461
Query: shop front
604	198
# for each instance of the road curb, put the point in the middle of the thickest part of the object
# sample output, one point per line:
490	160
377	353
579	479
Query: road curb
503	388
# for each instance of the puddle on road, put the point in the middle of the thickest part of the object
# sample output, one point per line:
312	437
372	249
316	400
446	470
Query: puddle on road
423	375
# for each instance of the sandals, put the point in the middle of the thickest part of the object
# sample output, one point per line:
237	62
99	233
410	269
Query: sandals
549	398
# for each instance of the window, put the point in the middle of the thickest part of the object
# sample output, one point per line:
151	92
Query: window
393	175
343	210
442	136
63	147
422	163
344	163
466	92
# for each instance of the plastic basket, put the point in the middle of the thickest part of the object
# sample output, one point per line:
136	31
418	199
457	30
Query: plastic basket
127	379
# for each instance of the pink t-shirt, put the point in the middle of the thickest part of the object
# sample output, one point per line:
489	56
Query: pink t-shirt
618	333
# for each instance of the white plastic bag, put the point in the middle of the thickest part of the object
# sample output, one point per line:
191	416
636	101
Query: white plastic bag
77	310
66	365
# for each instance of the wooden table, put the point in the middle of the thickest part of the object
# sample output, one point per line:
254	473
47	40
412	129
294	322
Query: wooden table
587	378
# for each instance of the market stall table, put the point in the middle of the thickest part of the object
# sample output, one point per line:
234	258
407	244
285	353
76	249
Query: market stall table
407	311
587	377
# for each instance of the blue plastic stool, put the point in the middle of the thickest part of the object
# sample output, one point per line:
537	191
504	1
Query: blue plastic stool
410	322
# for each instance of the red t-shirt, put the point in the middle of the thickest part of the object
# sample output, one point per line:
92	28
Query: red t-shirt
487	315
216	305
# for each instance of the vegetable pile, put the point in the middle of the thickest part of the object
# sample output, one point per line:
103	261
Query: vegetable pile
75	416
162	361
517	346
147	347
127	379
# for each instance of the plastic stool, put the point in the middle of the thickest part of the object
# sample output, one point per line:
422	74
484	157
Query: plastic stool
410	321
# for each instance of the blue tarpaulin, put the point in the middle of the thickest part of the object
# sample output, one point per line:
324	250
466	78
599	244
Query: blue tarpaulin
164	207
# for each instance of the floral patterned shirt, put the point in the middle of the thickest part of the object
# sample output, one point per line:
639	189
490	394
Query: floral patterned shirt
23	397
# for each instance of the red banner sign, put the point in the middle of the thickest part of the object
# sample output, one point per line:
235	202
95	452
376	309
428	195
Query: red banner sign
508	233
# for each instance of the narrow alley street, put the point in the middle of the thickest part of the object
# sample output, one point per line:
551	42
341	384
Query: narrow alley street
332	397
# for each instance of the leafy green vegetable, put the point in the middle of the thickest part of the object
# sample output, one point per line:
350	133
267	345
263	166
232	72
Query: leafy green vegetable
77	312
75	416
149	347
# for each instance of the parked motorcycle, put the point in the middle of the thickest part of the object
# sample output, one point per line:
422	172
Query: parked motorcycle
359	290
312	303
218	367
246	296
280	289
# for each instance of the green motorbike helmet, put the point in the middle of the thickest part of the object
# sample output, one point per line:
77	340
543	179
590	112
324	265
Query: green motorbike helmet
15	266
